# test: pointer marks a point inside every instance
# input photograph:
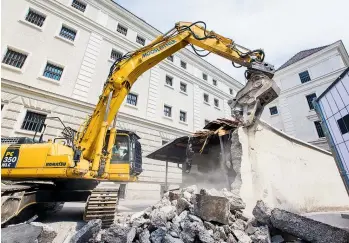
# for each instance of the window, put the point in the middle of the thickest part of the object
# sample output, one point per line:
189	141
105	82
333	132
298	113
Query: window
79	5
319	130
310	99
183	116
121	29
231	91
204	76
2	106
115	55
169	80
163	142
206	98
35	18
53	71
216	102
140	40
183	87
343	124
33	121
167	111
206	122
273	110
68	33
170	58
184	65
132	99
14	58
304	76
214	82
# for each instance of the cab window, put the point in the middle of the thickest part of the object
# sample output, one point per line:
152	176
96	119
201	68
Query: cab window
120	151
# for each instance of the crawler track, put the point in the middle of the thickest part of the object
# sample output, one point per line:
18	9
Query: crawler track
102	204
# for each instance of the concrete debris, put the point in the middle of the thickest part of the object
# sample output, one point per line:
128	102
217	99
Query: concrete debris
208	217
212	208
277	239
307	229
261	235
28	233
262	213
90	230
48	234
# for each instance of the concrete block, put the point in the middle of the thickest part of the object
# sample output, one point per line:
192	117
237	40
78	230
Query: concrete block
212	208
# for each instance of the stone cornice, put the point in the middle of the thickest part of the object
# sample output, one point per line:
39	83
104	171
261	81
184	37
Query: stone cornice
45	96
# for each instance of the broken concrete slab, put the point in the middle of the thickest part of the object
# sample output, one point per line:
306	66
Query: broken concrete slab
307	229
47	235
262	213
87	232
182	204
24	233
212	208
144	237
242	236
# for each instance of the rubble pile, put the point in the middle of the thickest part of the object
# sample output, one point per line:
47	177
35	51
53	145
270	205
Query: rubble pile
209	216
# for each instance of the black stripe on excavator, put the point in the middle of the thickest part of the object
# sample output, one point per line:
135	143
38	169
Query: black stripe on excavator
11	156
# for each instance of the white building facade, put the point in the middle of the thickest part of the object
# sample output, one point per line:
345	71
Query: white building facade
301	79
56	56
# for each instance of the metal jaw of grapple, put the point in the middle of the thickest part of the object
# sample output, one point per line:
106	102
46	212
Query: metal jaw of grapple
250	101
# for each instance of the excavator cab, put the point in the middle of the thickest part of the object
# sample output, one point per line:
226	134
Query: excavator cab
126	159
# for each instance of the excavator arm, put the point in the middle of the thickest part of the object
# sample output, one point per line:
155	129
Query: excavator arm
246	106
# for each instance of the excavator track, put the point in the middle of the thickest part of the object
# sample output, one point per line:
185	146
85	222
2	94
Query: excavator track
102	204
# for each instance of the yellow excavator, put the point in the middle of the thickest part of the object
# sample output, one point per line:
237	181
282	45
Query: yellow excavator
44	174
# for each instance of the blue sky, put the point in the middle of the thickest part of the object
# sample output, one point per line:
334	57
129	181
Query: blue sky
281	27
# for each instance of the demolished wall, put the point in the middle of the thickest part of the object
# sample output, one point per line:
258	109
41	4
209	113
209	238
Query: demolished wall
288	173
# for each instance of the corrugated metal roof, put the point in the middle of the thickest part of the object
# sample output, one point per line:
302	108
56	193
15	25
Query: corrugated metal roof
301	55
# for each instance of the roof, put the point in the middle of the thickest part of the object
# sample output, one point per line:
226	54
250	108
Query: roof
301	55
176	150
333	84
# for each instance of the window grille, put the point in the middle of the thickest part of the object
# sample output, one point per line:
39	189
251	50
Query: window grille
310	99
33	121
273	110
68	33
169	80
14	58
204	76
53	71
216	102
170	58
214	82
304	76
115	55
319	130
183	64
167	111
140	40
183	116
121	29
183	87
343	124
206	98
79	5
132	99
35	18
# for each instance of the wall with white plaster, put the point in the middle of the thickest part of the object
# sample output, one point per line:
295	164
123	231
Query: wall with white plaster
288	173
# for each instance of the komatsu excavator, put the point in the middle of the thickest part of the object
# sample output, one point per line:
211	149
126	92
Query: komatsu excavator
46	173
